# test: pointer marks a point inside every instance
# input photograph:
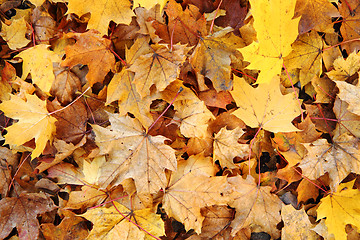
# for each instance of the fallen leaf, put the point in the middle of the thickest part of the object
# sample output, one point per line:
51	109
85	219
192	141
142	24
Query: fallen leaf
255	207
350	25
192	187
350	94
92	50
110	223
347	122
315	14
34	122
271	20
38	61
345	68
340	208
338	159
211	58
226	147
297	224
133	154
14	34
102	12
22	212
306	55
267	115
159	66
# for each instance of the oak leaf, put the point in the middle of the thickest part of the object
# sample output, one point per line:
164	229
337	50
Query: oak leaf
255	206
133	154
226	147
34	122
192	187
272	19
21	212
92	50
340	208
38	61
102	12
110	223
267	115
338	159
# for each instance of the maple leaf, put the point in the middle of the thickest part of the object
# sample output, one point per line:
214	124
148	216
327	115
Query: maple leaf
315	14
122	89
159	66
350	94
149	3
34	122
192	187
255	206
102	12
347	122
211	58
38	61
338	159
345	68
14	34
267	115
71	227
226	146
21	212
350	29
276	31
183	26
307	56
297	224
92	50
133	154
340	208
110	223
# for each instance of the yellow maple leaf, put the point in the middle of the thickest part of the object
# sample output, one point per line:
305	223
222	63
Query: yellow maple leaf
159	66
297	224
345	68
307	56
34	122
338	159
255	206
149	3
226	146
14	35
340	208
122	89
350	94
275	112
38	61
192	187
109	223
133	154
276	31
102	12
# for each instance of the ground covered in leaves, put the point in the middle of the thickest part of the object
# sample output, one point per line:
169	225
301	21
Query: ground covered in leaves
192	119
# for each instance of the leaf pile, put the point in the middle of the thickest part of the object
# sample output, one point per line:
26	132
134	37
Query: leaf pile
180	119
